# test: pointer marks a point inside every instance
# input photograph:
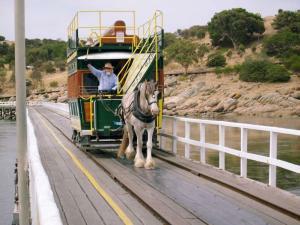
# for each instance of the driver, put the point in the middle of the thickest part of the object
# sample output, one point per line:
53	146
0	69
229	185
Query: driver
106	77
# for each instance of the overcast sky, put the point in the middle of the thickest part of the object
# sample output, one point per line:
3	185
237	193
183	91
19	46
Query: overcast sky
49	18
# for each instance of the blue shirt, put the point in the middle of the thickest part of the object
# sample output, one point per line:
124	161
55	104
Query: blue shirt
107	82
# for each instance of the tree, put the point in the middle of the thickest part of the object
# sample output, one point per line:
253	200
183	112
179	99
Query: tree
236	26
169	39
2	38
184	52
36	75
287	19
2	77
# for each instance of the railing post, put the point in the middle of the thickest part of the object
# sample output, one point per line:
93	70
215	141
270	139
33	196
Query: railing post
187	137
202	140
244	148
221	143
174	134
273	155
162	140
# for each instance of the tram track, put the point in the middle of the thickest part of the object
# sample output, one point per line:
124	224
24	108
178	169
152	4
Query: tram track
139	198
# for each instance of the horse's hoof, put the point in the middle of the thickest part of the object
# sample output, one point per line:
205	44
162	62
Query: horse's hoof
130	153
139	163
121	155
150	165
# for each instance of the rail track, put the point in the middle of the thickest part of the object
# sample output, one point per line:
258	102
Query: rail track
112	168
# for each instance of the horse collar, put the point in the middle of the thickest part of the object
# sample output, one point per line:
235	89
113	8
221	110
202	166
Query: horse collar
138	112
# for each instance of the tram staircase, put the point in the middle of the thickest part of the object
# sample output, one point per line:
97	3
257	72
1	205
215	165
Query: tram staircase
139	64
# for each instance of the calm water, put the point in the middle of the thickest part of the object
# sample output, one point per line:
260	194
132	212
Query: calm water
7	161
258	143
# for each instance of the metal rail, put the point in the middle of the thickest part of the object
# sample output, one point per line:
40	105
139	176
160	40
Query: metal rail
242	153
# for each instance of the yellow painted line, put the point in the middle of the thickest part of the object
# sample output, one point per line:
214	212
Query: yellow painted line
90	177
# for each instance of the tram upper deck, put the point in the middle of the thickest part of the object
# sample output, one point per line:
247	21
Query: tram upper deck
98	37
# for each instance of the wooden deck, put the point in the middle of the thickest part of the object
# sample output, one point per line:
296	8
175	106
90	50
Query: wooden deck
166	195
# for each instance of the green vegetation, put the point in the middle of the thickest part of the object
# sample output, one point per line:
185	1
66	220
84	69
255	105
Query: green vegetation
292	63
228	69
235	27
263	71
282	44
2	38
39	53
193	32
216	60
185	52
53	84
2	78
48	67
36	77
287	20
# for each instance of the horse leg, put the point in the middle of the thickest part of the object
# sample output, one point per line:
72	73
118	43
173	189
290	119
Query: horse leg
124	144
150	164
139	160
129	150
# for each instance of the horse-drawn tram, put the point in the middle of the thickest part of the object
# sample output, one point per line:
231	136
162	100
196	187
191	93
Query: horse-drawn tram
100	45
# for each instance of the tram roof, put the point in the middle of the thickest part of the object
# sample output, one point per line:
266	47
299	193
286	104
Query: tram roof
107	55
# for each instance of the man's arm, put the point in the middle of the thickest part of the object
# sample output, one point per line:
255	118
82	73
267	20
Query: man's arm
94	71
115	83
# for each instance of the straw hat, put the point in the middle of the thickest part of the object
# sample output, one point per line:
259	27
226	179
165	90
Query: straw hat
108	66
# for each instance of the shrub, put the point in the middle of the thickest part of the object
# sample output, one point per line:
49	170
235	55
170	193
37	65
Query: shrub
242	48
2	38
296	67
229	53
228	69
263	71
36	75
292	63
61	65
216	60
283	43
49	68
253	49
54	84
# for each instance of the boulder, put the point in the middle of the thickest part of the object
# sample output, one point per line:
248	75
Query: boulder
296	95
53	97
172	81
62	99
212	102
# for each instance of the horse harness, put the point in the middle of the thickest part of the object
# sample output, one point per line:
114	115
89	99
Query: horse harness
136	110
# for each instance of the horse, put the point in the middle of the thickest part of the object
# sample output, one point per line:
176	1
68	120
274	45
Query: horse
139	109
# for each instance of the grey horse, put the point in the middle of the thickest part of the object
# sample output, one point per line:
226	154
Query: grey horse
139	112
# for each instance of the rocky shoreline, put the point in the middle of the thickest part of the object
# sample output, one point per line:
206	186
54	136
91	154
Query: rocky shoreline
210	96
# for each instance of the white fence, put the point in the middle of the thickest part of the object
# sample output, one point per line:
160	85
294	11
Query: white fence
8	103
242	153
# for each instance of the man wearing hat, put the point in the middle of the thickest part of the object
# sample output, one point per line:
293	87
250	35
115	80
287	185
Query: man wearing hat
106	77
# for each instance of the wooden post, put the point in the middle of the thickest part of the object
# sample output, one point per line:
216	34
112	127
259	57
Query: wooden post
174	134
222	144
273	155
202	140
244	148
187	137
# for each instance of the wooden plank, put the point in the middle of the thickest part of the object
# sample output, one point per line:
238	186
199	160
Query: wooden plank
107	183
279	198
172	212
66	181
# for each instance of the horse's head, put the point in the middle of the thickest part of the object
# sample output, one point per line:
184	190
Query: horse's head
151	93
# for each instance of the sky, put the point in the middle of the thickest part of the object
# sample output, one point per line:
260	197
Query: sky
50	18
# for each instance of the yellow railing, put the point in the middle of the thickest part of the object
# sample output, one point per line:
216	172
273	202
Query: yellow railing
146	32
76	24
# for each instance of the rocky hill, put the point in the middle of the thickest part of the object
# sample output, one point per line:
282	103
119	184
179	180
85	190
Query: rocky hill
209	95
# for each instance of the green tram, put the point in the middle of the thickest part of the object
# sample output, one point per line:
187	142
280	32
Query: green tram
136	53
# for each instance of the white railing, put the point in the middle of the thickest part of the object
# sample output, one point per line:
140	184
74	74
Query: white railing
11	103
270	160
